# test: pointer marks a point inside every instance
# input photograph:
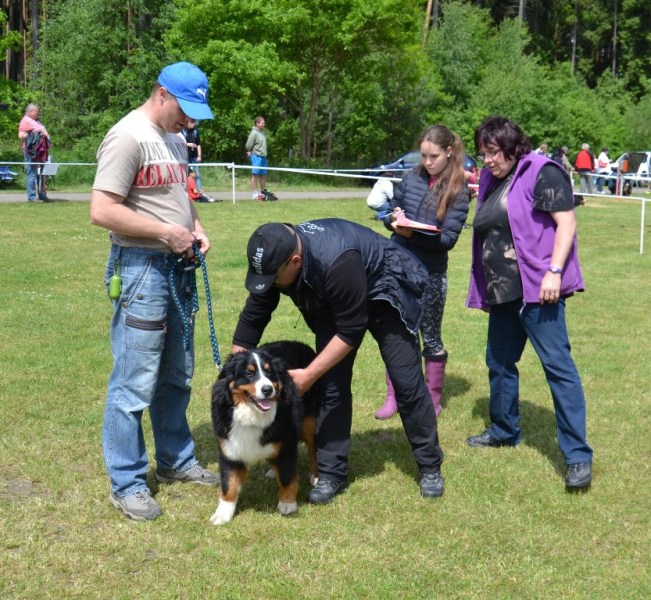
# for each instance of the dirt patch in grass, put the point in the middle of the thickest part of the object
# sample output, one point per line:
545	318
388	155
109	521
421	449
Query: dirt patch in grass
13	486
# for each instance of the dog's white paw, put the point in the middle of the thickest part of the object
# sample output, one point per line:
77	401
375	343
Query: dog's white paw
313	480
271	474
287	508
224	513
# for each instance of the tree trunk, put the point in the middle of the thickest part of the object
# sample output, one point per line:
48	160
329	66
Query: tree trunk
428	16
575	33
614	67
33	9
15	61
307	117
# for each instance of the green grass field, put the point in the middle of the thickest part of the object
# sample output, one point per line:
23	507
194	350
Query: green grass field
505	528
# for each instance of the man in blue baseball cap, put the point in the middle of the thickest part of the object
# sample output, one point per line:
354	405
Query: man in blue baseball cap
140	196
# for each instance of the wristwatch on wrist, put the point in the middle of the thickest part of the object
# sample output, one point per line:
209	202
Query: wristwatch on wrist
553	269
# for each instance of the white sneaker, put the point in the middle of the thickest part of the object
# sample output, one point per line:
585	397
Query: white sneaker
254	196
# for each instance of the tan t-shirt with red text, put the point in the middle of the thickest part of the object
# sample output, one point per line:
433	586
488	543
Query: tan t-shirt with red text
148	167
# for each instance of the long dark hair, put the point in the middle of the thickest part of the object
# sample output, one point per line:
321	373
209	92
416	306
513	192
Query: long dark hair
505	134
451	180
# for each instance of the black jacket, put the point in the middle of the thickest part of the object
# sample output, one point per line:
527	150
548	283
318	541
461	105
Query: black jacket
345	265
432	250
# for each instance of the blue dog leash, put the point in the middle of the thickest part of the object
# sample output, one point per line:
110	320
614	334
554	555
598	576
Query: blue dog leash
188	308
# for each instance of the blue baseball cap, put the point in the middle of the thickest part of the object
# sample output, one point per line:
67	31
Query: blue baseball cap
189	85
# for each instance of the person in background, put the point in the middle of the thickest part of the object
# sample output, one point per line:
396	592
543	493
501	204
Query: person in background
35	142
345	279
256	151
559	155
542	149
565	161
195	152
436	193
524	267
603	170
380	196
140	196
584	164
193	189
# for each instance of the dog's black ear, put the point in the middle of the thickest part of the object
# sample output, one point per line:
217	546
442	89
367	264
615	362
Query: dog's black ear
230	366
219	391
225	377
290	392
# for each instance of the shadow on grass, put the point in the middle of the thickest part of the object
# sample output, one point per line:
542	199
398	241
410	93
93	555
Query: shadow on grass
454	386
370	453
538	425
370	450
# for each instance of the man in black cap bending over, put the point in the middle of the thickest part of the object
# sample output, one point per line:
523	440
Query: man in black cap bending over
345	279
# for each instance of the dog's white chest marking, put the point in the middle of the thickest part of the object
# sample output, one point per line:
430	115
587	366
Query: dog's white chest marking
243	443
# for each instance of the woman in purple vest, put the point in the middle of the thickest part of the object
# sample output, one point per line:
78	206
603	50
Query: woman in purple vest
524	266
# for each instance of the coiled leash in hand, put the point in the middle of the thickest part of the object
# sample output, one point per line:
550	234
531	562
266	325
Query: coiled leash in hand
191	305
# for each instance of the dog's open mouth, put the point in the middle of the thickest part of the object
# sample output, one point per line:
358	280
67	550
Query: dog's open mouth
263	404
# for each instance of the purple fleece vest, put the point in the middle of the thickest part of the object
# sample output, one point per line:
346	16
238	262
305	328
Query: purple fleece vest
533	236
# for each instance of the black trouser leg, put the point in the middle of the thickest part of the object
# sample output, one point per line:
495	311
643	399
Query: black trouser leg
400	351
334	410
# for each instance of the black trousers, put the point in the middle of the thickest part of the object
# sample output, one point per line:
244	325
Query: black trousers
401	354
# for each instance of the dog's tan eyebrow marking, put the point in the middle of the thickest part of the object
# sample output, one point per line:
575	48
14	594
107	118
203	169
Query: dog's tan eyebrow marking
251	367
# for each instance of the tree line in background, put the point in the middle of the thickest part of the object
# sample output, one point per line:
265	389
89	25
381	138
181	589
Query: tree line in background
340	83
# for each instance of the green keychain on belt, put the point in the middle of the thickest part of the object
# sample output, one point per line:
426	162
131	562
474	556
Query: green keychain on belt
115	283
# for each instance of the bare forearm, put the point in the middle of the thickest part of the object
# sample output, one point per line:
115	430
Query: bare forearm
332	354
565	231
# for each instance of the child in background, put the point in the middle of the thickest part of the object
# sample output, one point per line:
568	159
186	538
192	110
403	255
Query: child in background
193	191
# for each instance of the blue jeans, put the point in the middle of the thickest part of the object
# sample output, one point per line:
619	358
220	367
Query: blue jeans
34	190
510	325
151	369
600	180
383	211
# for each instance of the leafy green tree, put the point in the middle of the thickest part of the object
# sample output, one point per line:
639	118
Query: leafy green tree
13	97
459	51
637	125
296	61
635	43
499	75
97	60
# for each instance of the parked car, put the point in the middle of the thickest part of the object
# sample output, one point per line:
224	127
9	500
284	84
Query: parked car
402	164
635	166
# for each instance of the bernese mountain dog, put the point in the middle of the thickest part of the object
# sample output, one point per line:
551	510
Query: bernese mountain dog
257	414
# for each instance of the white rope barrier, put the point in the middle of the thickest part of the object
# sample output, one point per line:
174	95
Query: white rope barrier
359	174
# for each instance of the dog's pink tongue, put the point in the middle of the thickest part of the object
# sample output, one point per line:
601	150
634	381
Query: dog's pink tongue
264	404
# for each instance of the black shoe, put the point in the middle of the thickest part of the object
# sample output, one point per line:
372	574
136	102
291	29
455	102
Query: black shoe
578	476
484	440
431	485
269	196
43	198
325	490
